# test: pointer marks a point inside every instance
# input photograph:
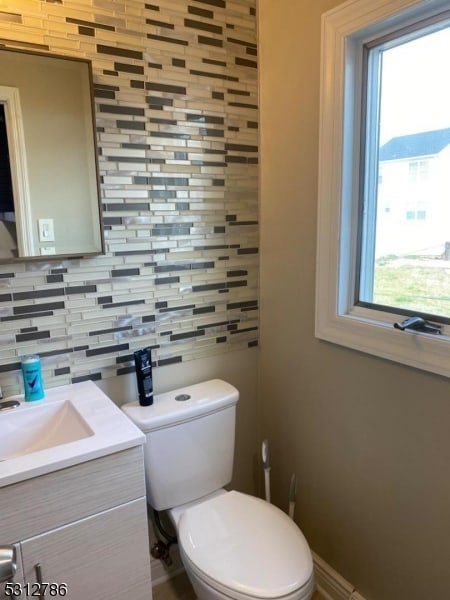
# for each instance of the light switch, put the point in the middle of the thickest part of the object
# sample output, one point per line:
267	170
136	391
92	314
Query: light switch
46	230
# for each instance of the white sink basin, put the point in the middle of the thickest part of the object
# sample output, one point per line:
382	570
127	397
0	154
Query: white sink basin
73	424
34	427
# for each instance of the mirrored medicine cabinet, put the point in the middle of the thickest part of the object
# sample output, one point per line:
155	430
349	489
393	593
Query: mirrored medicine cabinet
49	182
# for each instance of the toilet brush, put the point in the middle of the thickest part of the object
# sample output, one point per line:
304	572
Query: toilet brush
292	495
266	465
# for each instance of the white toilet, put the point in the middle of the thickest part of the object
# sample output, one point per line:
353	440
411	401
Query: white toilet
233	546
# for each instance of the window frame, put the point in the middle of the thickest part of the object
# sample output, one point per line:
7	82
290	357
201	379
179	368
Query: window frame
345	31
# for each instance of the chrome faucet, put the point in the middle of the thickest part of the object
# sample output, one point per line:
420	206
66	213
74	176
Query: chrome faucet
7	404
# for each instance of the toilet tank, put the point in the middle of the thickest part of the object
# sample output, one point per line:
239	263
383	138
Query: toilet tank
190	441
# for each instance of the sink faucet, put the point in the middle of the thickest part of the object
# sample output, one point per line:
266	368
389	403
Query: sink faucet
7	404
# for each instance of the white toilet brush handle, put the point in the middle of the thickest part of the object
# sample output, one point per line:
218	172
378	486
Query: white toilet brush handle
267	483
266	465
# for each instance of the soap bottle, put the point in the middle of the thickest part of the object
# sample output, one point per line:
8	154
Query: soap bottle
32	378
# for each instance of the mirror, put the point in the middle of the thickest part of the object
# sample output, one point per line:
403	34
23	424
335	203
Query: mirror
49	185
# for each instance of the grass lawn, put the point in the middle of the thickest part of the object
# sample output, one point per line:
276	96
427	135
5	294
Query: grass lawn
415	284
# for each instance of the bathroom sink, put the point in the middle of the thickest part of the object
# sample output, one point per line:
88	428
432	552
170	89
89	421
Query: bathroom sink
73	424
33	427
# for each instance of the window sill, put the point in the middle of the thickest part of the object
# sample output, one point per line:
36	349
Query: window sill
420	350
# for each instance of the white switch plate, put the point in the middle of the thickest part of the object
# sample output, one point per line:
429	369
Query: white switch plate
48	250
46	230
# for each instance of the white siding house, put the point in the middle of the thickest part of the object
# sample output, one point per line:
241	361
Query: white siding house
413	205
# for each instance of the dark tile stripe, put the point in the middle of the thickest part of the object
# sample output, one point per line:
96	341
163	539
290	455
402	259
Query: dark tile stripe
218	3
90	24
187	335
107	349
121	110
169	361
160	23
241	42
127	68
114	51
34	308
203	26
81	289
214	75
38	294
162	38
124	272
244	62
210	42
164	87
200	12
28	337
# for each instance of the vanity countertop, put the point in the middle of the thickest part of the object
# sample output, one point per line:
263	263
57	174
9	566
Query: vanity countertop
73	424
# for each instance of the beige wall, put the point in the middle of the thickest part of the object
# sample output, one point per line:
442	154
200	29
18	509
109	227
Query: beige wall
368	439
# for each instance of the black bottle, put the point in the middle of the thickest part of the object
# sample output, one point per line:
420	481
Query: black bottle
143	363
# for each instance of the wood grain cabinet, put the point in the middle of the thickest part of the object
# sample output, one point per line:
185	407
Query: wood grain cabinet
82	531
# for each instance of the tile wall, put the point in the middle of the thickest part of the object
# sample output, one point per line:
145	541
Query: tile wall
176	110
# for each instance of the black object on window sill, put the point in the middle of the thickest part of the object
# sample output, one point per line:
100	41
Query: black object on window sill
418	324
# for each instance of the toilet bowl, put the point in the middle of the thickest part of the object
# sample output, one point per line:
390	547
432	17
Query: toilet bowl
232	545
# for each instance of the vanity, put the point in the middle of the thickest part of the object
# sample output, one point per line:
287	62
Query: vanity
72	498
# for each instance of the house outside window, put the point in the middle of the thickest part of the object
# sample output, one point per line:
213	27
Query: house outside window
415	189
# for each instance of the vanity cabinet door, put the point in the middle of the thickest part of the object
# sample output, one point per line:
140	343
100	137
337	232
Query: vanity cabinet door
103	557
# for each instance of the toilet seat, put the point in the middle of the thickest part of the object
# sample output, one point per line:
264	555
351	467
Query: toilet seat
246	548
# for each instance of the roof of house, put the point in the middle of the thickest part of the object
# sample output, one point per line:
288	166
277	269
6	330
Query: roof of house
417	144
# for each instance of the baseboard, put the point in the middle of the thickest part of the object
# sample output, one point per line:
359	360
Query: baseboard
330	584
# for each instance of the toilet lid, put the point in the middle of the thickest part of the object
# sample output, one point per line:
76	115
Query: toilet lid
246	544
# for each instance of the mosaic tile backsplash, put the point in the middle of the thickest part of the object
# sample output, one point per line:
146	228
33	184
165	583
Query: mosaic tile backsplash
175	86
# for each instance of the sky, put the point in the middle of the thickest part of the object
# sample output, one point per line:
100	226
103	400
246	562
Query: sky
416	86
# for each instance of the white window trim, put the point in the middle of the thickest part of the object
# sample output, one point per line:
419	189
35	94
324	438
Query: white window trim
344	30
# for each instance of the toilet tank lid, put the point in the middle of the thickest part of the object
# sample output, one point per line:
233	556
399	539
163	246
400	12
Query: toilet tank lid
183	404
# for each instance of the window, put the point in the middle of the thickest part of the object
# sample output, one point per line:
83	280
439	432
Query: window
418	169
384	179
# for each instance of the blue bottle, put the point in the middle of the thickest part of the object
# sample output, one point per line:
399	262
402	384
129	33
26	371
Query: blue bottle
32	378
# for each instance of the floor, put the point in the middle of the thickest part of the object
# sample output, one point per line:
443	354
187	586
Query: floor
179	588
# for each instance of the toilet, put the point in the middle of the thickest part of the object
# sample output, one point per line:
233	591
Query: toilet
232	545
